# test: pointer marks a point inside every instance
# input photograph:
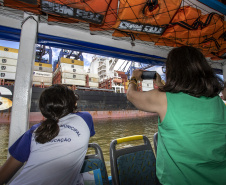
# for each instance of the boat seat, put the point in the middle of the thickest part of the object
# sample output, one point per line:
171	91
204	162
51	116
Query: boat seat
133	164
155	141
95	161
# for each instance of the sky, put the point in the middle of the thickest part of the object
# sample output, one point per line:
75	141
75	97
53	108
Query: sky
9	44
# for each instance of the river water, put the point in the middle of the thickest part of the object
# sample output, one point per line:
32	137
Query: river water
106	131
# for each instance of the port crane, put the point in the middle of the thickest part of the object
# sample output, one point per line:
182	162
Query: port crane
68	54
41	51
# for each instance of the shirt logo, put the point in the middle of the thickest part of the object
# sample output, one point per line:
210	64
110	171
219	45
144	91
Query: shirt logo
71	128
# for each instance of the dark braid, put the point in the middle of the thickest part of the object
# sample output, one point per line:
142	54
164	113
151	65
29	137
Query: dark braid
55	102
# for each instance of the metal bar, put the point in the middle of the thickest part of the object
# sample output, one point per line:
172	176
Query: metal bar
215	5
24	73
74	34
224	70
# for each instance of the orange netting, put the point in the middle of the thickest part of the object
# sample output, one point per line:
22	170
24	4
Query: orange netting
155	22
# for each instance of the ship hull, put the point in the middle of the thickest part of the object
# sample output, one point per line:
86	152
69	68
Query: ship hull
100	104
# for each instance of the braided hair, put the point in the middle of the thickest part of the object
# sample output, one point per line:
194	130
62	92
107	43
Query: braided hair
55	102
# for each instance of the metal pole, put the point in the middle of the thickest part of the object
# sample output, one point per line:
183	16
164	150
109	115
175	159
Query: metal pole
224	70
24	74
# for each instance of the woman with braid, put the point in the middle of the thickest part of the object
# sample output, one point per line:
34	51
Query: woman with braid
54	150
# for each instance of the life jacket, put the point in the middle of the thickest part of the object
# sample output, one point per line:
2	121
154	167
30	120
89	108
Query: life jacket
110	18
184	15
219	54
203	28
167	42
147	37
146	16
136	36
52	18
92	11
222	42
24	5
214	48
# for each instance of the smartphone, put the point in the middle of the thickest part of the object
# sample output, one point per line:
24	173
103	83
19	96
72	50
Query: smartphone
148	75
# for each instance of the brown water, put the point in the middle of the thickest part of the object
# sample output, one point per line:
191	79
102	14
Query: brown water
106	131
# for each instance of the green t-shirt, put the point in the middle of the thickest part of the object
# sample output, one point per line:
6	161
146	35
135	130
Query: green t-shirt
192	141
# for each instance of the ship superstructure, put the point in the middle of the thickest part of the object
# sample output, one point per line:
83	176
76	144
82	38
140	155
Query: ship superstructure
109	77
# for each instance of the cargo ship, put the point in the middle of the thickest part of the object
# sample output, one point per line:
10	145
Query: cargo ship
101	91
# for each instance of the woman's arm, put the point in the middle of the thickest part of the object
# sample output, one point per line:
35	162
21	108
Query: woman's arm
9	169
224	91
150	101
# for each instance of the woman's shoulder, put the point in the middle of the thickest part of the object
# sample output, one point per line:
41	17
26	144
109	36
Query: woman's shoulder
34	127
86	116
83	114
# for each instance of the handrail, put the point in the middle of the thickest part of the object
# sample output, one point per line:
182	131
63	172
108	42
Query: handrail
129	138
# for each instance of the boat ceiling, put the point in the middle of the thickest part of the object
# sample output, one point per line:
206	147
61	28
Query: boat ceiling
123	29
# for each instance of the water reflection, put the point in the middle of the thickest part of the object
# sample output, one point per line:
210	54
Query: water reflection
4	134
106	131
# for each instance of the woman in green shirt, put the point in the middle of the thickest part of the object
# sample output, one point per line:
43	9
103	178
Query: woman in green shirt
192	120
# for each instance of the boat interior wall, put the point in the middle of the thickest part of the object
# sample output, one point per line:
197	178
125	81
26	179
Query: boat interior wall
143	31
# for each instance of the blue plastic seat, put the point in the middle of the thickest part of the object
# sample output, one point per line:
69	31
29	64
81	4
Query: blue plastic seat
134	165
95	161
155	141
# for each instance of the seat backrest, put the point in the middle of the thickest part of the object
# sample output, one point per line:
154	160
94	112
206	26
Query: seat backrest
95	161
134	164
155	141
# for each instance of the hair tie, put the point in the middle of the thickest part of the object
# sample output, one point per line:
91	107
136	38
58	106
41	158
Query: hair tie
54	119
